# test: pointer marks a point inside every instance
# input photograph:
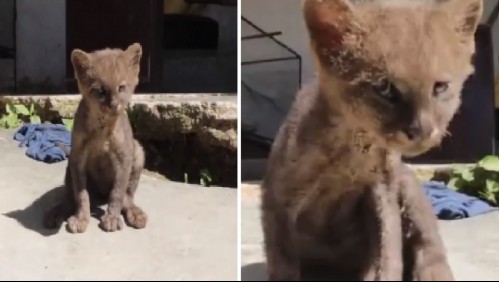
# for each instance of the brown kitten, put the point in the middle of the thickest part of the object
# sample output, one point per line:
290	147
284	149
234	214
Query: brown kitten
338	202
105	159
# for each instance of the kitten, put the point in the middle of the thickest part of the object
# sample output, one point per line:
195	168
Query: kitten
337	201
105	159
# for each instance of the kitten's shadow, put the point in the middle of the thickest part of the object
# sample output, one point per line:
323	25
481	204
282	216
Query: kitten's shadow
32	216
253	272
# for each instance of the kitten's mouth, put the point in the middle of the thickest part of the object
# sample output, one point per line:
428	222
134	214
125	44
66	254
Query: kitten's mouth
410	148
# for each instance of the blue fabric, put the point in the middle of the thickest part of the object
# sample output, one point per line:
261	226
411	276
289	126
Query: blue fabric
449	204
42	139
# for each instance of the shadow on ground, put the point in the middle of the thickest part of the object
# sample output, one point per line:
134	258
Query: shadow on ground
32	216
253	272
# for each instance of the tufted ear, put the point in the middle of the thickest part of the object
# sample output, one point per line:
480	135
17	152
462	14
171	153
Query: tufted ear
134	52
336	35
82	63
329	21
466	15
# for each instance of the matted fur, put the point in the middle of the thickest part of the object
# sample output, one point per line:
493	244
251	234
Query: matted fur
105	160
338	202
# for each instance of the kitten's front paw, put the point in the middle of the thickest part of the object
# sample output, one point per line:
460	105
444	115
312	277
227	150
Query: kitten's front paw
111	223
136	217
434	272
77	224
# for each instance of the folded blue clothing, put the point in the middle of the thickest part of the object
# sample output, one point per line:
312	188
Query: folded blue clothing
449	204
42	141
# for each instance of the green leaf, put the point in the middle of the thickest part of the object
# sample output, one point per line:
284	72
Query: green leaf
21	109
9	108
31	109
490	197
490	163
467	175
492	186
206	175
454	183
35	119
203	182
68	123
12	120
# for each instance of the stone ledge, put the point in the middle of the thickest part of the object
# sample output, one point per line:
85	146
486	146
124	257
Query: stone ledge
156	116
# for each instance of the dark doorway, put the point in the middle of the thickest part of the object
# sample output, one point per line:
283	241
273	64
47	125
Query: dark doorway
7	46
97	24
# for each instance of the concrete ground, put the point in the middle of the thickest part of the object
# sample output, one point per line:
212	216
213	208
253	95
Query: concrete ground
191	233
472	244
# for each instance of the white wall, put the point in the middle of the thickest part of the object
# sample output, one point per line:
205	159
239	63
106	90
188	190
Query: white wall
284	16
41	43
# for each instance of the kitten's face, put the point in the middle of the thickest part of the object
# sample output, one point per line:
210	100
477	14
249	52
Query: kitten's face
400	65
107	78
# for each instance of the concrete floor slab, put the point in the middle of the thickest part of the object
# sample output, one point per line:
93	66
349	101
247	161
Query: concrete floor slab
472	244
191	233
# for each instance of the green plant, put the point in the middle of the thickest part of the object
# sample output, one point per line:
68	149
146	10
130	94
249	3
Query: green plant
16	114
68	122
205	178
480	180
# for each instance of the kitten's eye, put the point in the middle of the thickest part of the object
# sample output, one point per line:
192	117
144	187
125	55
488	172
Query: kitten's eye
101	93
440	87
121	88
386	90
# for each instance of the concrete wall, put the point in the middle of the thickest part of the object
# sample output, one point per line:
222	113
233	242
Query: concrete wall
41	45
285	16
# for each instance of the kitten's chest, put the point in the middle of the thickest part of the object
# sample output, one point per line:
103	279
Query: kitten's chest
101	148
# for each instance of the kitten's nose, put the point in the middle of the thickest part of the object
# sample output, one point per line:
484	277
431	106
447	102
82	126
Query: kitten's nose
414	132
114	105
419	130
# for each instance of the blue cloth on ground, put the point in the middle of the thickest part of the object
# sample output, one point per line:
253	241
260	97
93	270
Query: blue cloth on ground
449	204
42	139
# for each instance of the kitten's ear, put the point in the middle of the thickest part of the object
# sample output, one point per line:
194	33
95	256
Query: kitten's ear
467	13
332	26
134	52
81	63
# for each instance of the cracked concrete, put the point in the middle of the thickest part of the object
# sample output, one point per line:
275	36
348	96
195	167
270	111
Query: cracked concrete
191	233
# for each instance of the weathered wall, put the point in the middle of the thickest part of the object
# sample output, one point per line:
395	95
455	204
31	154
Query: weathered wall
41	45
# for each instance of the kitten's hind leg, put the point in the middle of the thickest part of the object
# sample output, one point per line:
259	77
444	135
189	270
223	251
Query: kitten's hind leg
135	216
54	217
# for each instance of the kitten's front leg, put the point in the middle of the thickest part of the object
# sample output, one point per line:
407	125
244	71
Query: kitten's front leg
388	260
423	241
77	179
282	261
111	221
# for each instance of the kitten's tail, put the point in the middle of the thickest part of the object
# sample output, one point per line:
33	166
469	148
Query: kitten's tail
64	148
